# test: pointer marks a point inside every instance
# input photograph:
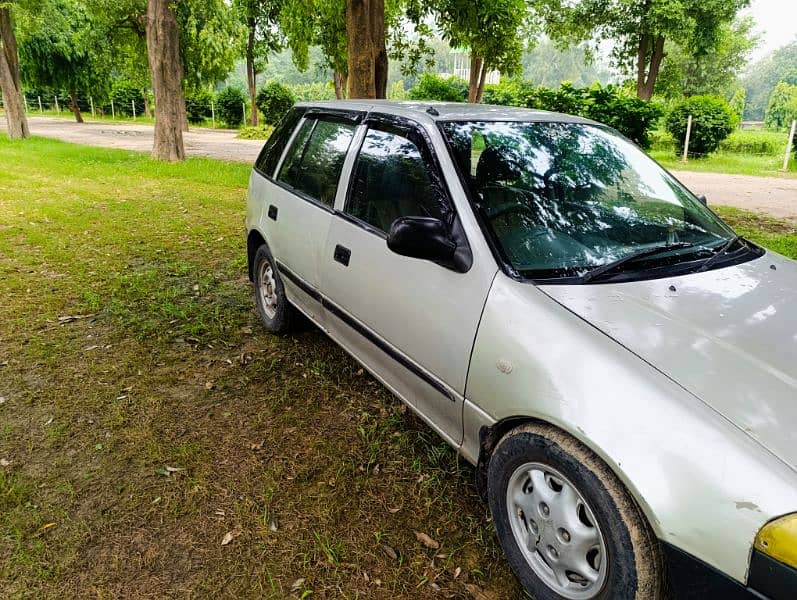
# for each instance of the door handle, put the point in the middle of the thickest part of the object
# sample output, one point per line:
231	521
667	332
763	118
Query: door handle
342	255
272	212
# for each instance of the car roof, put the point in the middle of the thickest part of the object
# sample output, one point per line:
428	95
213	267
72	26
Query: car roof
422	110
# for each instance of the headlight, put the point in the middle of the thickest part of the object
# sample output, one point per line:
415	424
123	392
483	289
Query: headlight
778	539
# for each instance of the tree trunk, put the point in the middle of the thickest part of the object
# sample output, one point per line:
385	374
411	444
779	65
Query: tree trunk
648	65
147	108
339	80
74	105
251	76
475	78
9	79
482	79
367	53
163	50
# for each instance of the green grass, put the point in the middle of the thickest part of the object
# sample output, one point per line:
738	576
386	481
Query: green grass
744	152
161	417
283	441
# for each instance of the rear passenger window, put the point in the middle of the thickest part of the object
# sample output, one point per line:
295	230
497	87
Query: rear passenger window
272	149
391	179
315	159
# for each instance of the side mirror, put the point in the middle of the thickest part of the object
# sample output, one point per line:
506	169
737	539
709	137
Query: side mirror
703	200
421	237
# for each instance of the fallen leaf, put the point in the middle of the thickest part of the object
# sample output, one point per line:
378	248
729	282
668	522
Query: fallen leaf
426	540
230	536
457	572
175	469
47	526
209	385
5	462
389	551
297	584
478	593
246	330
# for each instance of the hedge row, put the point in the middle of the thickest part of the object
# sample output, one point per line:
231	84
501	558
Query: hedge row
611	105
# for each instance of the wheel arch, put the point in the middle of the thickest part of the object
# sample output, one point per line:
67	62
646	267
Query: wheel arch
254	240
490	435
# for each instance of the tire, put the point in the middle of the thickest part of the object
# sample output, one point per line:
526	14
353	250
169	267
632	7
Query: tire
276	313
581	515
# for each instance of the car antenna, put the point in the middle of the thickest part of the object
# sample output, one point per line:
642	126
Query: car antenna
433	111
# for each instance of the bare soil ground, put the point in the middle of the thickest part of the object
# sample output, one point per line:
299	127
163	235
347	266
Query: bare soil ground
774	196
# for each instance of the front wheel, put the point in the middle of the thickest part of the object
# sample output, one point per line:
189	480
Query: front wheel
275	311
569	528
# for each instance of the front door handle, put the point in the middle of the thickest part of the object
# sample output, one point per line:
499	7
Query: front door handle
342	255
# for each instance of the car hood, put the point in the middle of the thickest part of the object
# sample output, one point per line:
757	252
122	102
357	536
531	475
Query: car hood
728	336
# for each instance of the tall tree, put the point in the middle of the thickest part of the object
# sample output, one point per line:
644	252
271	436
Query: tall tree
163	48
762	77
63	48
639	29
321	23
9	77
493	30
260	17
717	72
366	48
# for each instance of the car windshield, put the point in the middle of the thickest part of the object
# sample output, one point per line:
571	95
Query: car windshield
562	199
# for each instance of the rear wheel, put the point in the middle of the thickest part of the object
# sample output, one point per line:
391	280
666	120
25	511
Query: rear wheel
275	311
569	528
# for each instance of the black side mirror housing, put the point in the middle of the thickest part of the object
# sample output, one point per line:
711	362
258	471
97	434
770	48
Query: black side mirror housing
422	237
703	200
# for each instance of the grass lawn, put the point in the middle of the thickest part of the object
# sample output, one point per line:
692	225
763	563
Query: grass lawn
745	152
146	416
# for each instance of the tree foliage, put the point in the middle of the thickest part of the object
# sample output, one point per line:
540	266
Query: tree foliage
764	75
712	122
782	107
639	29
685	73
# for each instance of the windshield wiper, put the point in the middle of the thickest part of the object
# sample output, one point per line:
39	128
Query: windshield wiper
617	265
720	253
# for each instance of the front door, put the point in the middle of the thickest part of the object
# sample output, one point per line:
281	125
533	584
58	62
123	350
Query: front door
411	321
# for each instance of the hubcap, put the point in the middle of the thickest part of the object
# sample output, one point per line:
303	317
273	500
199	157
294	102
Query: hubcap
556	531
268	289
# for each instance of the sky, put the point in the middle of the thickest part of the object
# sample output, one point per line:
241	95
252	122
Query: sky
776	21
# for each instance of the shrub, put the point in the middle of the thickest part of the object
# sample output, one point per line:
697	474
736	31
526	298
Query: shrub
124	93
431	86
230	102
274	100
712	122
262	132
197	106
754	142
397	91
506	93
307	92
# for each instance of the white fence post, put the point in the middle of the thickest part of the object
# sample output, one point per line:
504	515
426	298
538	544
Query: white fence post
213	115
688	135
113	112
57	108
25	98
91	101
133	103
40	104
244	107
789	146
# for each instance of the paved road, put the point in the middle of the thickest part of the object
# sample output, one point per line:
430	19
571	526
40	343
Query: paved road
776	196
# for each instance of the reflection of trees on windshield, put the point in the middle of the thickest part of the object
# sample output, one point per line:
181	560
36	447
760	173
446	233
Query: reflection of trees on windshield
569	196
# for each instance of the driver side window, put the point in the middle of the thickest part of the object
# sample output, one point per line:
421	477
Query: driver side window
391	179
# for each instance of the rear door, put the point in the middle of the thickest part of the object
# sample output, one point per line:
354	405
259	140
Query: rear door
300	206
412	322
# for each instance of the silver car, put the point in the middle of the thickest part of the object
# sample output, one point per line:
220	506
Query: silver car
617	363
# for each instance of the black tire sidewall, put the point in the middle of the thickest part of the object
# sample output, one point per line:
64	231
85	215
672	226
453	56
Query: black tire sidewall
283	316
520	448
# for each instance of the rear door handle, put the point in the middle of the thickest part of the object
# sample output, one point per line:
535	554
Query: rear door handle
342	255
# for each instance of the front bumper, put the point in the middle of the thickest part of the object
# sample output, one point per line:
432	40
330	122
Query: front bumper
692	579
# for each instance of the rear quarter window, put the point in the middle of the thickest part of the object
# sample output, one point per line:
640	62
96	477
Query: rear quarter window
272	150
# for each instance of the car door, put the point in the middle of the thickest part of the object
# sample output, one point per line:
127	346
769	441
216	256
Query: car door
412	322
300	205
